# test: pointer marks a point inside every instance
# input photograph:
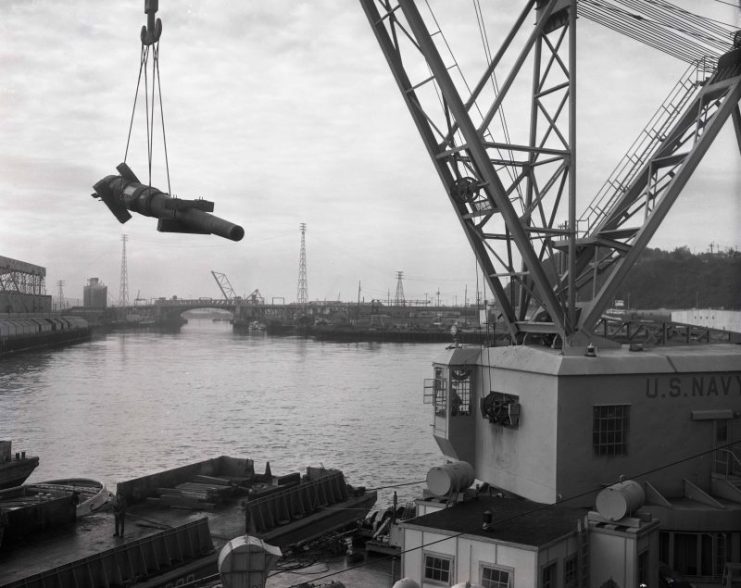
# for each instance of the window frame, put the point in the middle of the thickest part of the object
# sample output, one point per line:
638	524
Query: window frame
551	564
610	431
461	387
442	557
499	568
573	558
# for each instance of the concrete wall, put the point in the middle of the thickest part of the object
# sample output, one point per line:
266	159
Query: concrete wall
672	394
520	459
663	393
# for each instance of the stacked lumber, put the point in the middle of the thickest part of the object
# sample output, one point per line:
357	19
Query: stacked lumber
200	493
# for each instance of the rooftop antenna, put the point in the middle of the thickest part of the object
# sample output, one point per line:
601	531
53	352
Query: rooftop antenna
302	294
123	292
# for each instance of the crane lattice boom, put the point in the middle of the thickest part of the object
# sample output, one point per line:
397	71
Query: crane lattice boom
513	187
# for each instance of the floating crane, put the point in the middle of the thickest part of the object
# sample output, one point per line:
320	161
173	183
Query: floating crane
562	412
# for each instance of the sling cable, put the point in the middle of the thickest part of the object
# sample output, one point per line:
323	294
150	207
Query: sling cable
125	192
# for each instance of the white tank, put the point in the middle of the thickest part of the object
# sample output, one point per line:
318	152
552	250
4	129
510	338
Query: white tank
620	500
245	561
449	478
405	583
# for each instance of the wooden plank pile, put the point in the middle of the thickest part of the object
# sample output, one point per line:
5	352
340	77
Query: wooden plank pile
200	493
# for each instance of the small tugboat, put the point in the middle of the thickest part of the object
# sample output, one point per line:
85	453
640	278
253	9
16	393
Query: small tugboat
14	470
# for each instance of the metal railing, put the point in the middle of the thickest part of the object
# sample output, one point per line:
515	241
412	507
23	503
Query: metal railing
727	463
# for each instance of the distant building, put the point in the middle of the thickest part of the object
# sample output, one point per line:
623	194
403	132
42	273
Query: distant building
726	320
95	294
22	287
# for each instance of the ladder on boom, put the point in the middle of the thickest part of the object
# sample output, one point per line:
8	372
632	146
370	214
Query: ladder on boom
644	146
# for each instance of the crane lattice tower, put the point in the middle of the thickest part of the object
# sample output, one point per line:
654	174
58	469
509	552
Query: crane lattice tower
399	288
123	292
302	295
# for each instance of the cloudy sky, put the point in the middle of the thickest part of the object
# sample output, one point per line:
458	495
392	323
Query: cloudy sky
282	112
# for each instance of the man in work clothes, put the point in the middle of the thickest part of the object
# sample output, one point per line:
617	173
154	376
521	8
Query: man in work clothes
119	514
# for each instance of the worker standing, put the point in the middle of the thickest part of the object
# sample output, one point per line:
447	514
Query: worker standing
119	514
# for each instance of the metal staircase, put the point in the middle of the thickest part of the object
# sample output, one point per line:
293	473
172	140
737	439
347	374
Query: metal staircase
726	481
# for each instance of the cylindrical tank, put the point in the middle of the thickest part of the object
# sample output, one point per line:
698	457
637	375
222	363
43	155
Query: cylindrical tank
406	583
449	478
620	500
244	562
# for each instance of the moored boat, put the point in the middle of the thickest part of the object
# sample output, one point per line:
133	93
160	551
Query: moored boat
92	495
15	469
177	520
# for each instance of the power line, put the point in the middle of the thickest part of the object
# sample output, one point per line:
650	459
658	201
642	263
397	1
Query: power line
727	4
398	485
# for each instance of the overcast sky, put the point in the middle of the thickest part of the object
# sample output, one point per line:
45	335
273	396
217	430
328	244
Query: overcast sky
282	112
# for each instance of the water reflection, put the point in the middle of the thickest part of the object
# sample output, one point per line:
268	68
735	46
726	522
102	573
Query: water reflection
131	403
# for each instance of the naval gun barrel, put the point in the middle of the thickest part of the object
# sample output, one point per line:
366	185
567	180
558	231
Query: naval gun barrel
124	193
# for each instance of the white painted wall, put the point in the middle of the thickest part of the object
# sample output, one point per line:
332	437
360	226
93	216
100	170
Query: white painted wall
521	459
727	320
470	553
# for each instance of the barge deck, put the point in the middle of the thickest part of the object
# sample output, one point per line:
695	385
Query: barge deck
177	521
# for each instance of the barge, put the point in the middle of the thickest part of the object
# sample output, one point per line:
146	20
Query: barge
30	331
15	469
177	520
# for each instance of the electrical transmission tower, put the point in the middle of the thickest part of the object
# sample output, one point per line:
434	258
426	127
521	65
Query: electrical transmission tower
60	285
302	294
123	292
399	288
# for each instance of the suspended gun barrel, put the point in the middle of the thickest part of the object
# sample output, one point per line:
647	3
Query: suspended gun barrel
126	193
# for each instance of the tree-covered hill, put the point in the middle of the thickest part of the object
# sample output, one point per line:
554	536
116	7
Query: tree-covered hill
680	279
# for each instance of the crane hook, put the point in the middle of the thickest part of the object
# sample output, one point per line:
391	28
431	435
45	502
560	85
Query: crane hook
152	30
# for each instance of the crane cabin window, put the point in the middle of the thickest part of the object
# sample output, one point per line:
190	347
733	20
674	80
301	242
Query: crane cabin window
610	426
460	391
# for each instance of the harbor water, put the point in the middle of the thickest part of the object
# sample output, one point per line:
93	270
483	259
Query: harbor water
129	404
